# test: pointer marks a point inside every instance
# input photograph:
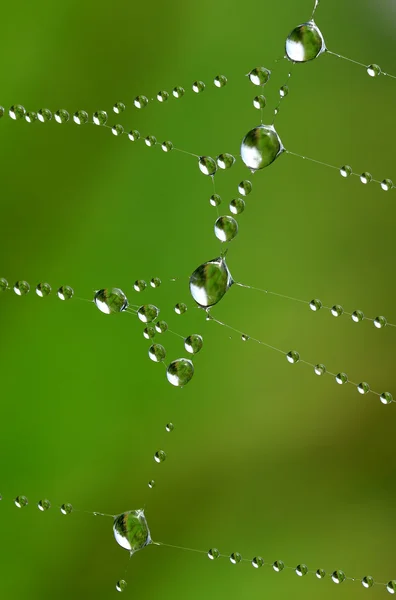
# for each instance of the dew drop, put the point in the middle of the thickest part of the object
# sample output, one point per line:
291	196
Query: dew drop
245	187
319	369
44	115
117	129
155	282
293	357
110	300
159	456
259	75
260	147
149	333
357	316
225	160
380	322
44	505
100	117
147	313
244	337
346	171
21	501
180	308
198	87
237	206
131	530
31	116
162	96
66	509
1	111
157	353
363	387
365	177
169	427
207	165
278	566
121	585
220	81
338	576
134	135
161	326
315	305
215	200
213	553
43	290
259	101
235	558
140	102
21	288
373	70
3	284
301	570
65	292
151	484
367	581
193	343
386	398
139	285
16	112
336	310
178	91
210	281
341	378
320	573
283	91
80	117
150	140
167	146
386	185
257	562
62	116
180	372
305	43
119	107
225	228
391	586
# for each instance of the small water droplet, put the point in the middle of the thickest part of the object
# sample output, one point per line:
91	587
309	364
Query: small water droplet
198	87
65	292
180	308
110	300
21	288
220	81
151	484
346	171
259	75
119	107
293	357
149	333
260	147
66	509
150	140
213	553
336	310
167	146
245	187
44	505
207	165
147	313
386	398
162	96
21	501
100	117
235	558
215	200
117	129
1	111
169	427
278	566
259	101
225	228
161	326
237	206
210	281
320	573
380	322
283	91
367	581
157	353
244	337
178	91
338	576
386	185
43	290
225	160
131	530
366	177
155	282
17	111
180	372
319	369
31	116
193	343
134	135
3	284
357	316
159	456
121	585
44	115
341	378
80	117
373	70
139	285
257	562
140	102
301	570
62	116
363	388
305	43
315	305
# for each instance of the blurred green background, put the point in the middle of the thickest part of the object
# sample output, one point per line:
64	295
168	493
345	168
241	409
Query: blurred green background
266	458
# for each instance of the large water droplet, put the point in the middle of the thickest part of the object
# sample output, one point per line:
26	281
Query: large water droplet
380	322
147	313
110	300
210	281
44	505
225	228
278	566
207	165
134	135
157	353
315	304
118	107
100	117
357	316
44	115
305	43
336	310
198	87
62	116
341	378
167	146
150	141
155	282
260	147
160	456
346	171
178	91
366	177
21	501
386	398
31	116
373	70
140	101
80	117
391	586
386	185
257	562
17	111
162	96
363	387
320	369
193	343
121	585
117	129
220	81
139	285
259	75
320	573
131	530
213	553
180	372
43	289
65	292
66	509
21	288
367	581
235	558
338	576
301	570
293	357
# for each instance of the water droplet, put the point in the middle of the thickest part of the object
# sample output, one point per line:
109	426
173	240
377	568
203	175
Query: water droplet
21	501
147	313
391	586
225	160
66	509
301	570
380	322
131	530
21	288
278	566
363	388
157	353
259	75
111	300
235	558
210	281
3	284
346	171
373	70
178	91
44	115
245	187
193	343
215	200
336	310
386	185
315	305
167	146
338	576
260	147
319	369
140	101
31	116
65	292
257	562
386	398
100	117
367	581
155	282
365	177
134	135
220	81
121	585
159	456
161	326
207	165
259	101
198	87
283	91
151	484
17	111
341	378
320	573
244	337
43	289
150	140
180	308
226	228
169	427
213	553
117	129
62	116
162	96
44	505
80	117
293	357
149	333
180	372
357	316
305	43
119	108
1	111
237	206
139	285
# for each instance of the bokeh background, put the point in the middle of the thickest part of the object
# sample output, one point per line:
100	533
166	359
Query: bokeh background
266	458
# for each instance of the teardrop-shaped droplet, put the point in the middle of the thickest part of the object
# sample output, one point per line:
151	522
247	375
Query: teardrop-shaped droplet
180	372
305	43
140	101
21	288
210	281
65	292
43	290
110	300
157	353
131	530
151	484
259	75
100	117
260	147
193	343
207	165
225	160
226	228
147	313
62	116
283	91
